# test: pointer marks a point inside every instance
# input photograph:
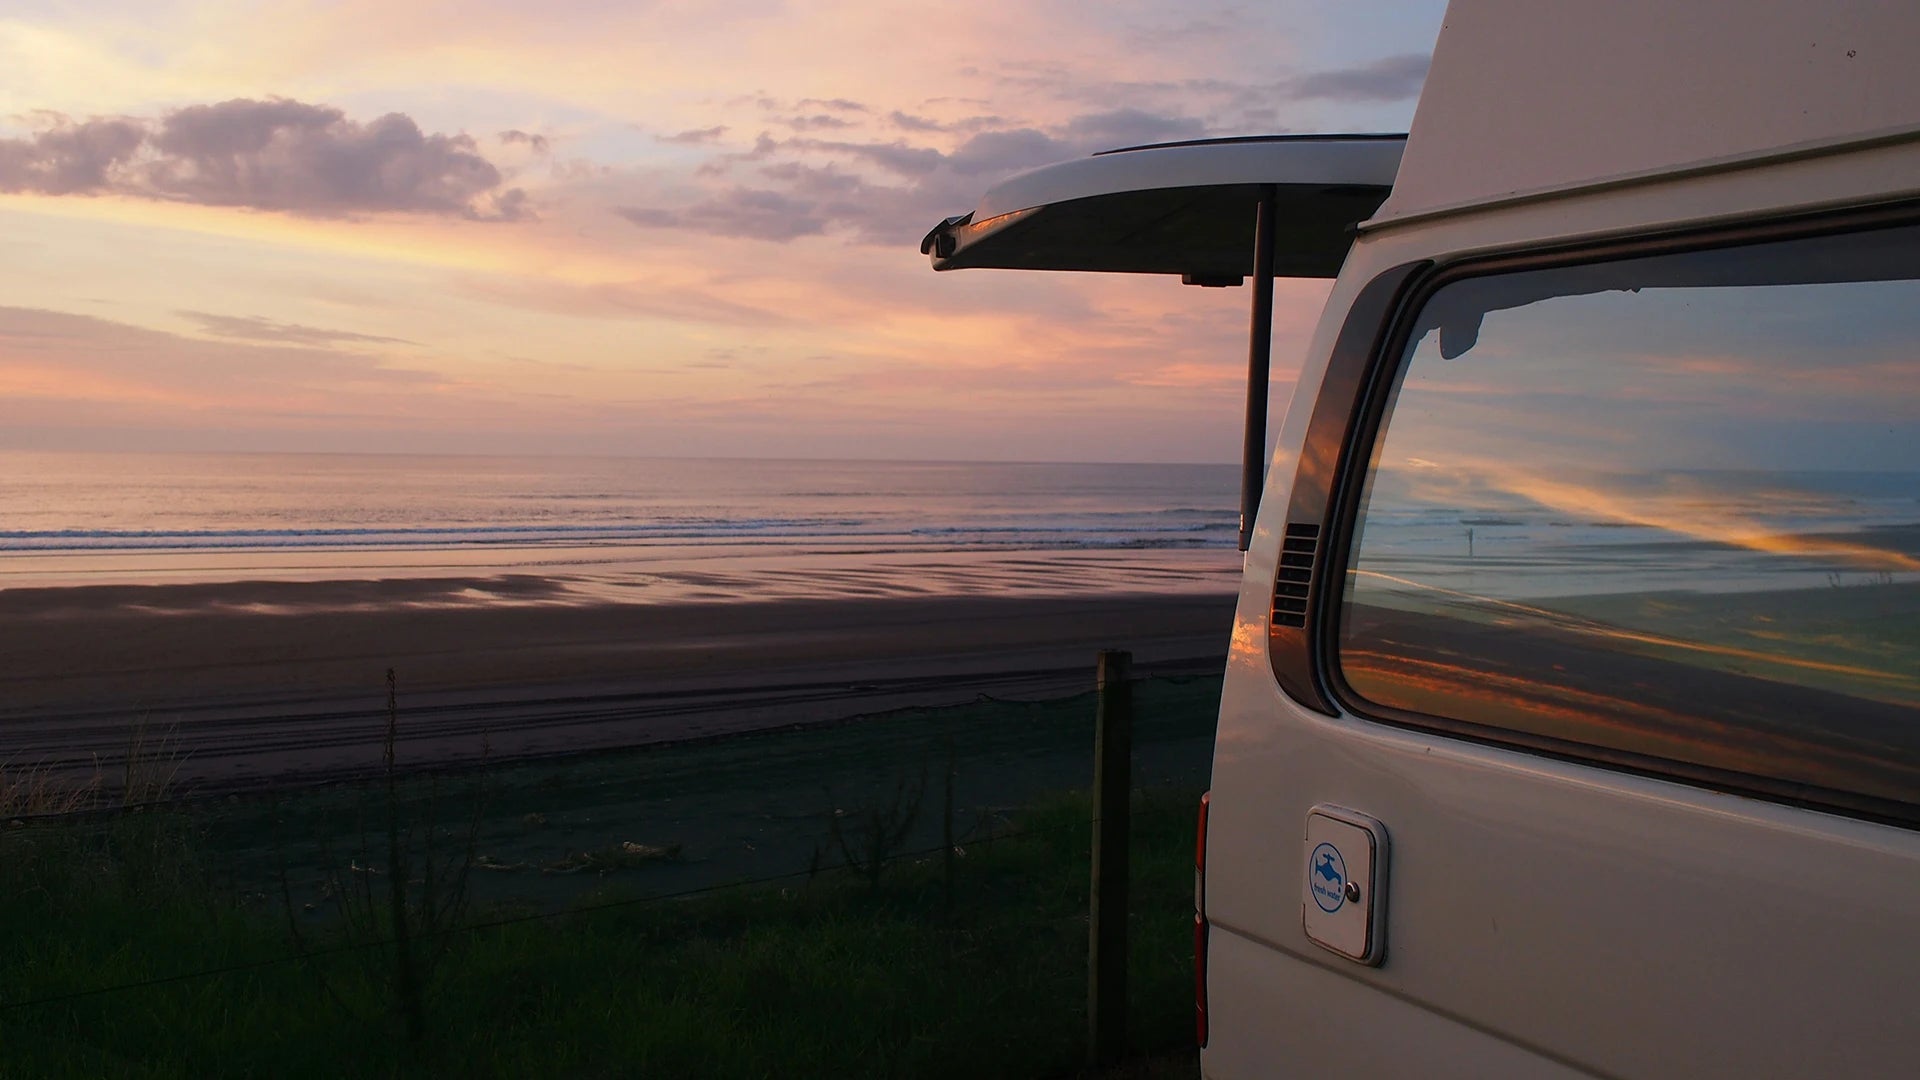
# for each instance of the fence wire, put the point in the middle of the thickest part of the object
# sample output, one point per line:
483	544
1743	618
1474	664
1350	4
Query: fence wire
1083	827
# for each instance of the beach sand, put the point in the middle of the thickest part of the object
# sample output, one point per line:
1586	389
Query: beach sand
264	682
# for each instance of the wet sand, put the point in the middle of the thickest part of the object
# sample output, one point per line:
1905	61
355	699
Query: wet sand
274	681
1815	699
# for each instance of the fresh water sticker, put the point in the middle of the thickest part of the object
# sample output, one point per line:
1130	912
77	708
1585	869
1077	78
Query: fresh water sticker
1327	878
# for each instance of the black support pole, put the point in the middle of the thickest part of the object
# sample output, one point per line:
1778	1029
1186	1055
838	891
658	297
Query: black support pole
1107	908
1253	459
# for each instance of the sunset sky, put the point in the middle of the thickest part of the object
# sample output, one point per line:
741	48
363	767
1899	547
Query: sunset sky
626	227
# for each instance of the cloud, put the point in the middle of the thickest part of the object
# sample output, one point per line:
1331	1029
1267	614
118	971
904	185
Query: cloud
688	301
286	155
53	355
886	192
1133	127
1007	151
897	157
817	122
835	104
538	143
695	137
77	381
1236	104
914	123
256	328
1391	78
737	211
815	198
276	154
1058	82
68	158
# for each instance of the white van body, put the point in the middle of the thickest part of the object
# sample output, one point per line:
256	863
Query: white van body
1553	912
1621	791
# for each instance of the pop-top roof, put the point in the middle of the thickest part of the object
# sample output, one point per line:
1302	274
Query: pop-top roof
1525	98
1179	208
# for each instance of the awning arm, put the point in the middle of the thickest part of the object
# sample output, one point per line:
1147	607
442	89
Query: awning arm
1259	360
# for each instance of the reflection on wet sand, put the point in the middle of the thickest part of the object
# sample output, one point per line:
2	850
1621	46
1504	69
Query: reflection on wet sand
1563	683
1897	683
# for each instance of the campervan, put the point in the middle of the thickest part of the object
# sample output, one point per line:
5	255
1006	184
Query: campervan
1571	723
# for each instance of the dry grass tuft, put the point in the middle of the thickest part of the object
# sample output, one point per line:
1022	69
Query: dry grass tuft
153	763
31	791
148	775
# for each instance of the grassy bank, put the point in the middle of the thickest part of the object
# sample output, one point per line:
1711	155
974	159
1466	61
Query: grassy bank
969	966
731	809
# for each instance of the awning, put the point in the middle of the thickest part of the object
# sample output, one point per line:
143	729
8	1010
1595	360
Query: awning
1179	208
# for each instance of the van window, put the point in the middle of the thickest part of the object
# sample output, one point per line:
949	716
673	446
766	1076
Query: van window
1660	511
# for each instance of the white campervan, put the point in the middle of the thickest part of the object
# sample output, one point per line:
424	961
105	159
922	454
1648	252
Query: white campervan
1572	719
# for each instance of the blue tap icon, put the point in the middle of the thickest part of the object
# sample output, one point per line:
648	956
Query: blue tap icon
1325	869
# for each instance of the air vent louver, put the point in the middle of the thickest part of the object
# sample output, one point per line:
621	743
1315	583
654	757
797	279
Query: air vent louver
1295	579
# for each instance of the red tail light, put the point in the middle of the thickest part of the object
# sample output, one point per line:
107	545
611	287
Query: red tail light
1200	925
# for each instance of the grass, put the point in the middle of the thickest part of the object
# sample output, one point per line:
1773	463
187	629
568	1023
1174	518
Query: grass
32	790
36	790
833	976
548	831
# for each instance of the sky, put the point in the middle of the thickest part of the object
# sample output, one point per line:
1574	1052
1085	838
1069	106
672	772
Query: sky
654	228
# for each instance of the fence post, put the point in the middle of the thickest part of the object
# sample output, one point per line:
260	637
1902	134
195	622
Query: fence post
1107	908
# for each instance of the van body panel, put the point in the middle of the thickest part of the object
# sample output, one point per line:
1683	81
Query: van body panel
1610	922
1835	177
1263	991
1637	927
1523	97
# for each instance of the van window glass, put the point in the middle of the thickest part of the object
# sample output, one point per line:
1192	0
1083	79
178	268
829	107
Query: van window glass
1668	507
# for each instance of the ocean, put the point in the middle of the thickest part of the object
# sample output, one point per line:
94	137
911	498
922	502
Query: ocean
619	528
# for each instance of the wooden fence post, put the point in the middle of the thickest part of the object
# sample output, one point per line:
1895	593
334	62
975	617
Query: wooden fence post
1107	908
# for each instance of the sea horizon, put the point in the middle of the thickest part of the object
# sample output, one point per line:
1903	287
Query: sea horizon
611	528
